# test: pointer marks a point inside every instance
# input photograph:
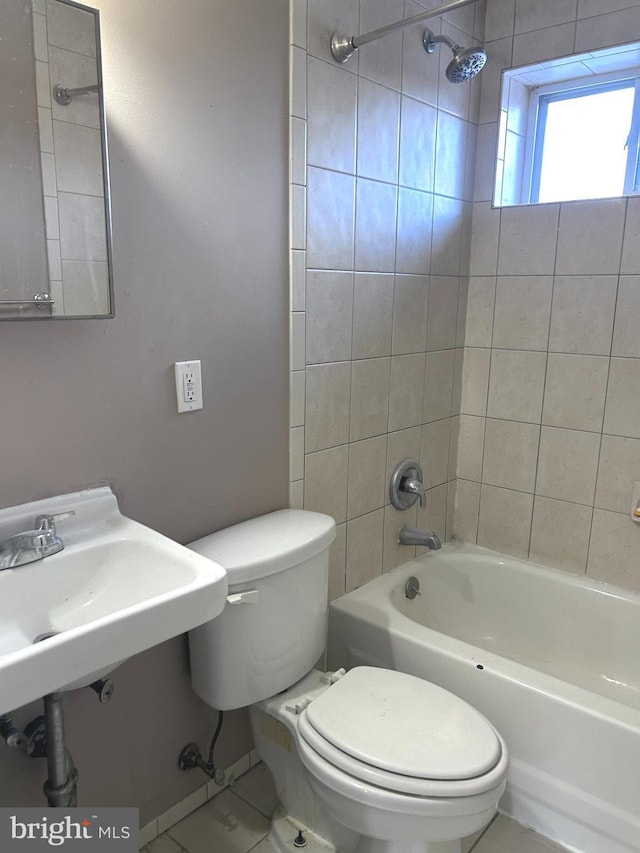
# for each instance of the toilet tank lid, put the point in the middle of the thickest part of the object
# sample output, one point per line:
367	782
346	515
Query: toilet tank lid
267	544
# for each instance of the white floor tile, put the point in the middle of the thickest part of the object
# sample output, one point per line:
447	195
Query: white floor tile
265	846
164	844
226	824
256	788
506	836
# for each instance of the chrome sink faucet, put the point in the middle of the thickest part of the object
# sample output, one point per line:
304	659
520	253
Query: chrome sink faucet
32	545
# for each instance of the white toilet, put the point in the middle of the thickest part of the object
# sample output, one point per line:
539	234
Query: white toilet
372	760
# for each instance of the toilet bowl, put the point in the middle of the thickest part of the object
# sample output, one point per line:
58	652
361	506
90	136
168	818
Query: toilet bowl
371	760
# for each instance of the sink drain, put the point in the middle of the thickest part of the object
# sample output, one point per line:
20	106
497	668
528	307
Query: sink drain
46	636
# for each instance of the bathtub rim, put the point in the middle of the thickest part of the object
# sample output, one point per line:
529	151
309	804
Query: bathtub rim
376	595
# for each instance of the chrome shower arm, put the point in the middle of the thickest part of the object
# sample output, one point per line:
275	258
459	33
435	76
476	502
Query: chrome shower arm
343	47
432	40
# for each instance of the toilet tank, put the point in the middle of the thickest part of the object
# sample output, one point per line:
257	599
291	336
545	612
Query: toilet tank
273	627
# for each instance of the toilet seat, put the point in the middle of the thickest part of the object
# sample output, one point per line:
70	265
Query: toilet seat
403	734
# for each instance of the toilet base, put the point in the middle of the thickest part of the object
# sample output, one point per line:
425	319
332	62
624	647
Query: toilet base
284	829
374	845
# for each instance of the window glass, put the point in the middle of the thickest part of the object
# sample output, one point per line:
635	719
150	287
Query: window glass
583	145
570	128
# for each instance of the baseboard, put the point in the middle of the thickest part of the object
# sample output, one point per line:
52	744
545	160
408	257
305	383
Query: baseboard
195	799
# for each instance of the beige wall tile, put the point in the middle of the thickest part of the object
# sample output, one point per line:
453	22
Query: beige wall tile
523	308
470	447
438	385
417	145
375	246
560	534
434	453
605	30
407	391
372	315
575	391
395	554
631	244
500	17
528	238
367	488
378	132
484	239
328	316
626	340
325	482
454	441
466	511
612	533
505	521
499	53
383	63
330	219
296	453
410	300
403	444
618	470
582	314
510	454
433	518
446	236
296	398
480	305
543	13
337	563
331	122
590	237
475	381
327	411
415	215
451	141
369	398
568	465
516	385
622	413
443	312
364	549
548	43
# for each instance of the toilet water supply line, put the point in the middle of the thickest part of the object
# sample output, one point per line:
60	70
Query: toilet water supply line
191	756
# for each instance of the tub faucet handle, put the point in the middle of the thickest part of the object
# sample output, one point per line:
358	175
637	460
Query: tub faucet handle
414	487
406	485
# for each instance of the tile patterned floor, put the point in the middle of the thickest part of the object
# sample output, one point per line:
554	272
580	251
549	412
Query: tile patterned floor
237	821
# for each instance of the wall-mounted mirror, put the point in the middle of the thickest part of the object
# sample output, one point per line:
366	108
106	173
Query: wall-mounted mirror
55	234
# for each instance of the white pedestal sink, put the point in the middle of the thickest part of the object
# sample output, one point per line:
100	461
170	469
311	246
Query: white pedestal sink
116	589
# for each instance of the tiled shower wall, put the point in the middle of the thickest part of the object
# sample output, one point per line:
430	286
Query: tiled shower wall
382	181
550	425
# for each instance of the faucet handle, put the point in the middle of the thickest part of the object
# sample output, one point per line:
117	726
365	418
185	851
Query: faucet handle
47	523
413	486
406	485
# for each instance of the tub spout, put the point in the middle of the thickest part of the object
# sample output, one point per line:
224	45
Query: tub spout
411	536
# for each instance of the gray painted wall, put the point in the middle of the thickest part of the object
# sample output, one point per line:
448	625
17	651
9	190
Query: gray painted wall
196	97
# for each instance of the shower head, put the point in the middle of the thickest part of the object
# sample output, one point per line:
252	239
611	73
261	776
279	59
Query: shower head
466	62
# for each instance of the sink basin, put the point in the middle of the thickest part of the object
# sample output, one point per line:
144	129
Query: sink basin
116	589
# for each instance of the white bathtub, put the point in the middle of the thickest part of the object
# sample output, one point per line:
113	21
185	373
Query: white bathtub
552	659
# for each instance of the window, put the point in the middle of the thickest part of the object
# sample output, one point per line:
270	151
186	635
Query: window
570	130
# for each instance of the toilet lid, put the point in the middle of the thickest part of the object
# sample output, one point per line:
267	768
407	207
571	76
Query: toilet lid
402	724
